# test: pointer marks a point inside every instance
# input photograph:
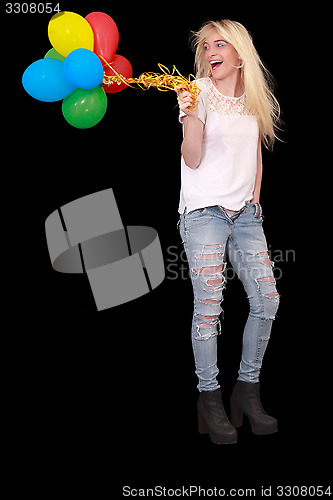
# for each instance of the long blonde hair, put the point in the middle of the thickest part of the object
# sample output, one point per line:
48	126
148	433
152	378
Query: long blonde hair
257	81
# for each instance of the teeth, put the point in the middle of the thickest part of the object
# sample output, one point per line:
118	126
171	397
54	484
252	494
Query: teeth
215	62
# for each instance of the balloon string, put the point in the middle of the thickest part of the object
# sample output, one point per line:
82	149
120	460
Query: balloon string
162	81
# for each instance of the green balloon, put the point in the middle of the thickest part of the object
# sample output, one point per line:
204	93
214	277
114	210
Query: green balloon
53	54
85	108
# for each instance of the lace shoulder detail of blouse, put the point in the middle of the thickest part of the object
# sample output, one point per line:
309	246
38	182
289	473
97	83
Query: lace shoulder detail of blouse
224	105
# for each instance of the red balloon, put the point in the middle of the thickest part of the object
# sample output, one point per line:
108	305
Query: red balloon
123	67
106	35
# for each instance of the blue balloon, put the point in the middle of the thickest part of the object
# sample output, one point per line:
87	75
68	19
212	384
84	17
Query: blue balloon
45	80
84	69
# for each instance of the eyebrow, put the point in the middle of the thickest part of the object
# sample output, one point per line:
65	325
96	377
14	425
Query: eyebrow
215	41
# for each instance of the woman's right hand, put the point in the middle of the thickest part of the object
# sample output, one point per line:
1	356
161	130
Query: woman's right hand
185	101
193	130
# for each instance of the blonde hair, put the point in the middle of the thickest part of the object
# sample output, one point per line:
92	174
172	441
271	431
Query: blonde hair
257	81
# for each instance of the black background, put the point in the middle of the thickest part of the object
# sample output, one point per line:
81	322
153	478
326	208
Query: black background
107	399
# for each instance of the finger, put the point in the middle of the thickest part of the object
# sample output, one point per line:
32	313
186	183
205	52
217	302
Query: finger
182	95
185	99
185	108
180	89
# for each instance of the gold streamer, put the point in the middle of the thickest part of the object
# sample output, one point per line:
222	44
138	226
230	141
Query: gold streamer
162	81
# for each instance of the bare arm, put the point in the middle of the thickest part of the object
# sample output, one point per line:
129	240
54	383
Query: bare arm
257	185
192	143
191	147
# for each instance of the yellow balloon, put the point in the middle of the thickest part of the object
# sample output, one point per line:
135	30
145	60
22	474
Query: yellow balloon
69	31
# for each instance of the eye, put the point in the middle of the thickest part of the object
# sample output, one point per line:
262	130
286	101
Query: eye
220	44
206	46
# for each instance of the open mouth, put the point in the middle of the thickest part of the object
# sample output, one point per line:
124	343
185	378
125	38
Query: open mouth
216	64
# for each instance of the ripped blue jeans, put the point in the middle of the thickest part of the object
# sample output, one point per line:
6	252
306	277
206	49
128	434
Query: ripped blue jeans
209	235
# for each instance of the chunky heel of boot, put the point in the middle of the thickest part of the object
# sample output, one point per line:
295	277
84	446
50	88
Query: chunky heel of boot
202	426
247	395
236	415
212	419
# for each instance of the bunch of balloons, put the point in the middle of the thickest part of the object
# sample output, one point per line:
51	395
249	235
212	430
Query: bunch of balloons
73	70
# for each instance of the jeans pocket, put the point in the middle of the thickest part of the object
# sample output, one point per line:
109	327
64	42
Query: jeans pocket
196	213
197	218
258	212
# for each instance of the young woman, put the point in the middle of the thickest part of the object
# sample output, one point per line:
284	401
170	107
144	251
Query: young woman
221	171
